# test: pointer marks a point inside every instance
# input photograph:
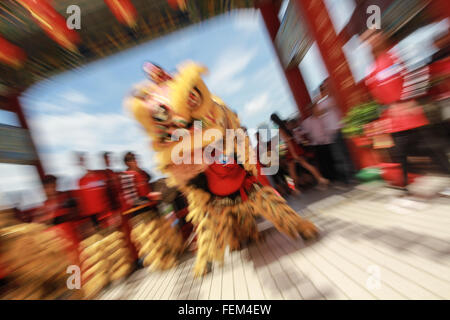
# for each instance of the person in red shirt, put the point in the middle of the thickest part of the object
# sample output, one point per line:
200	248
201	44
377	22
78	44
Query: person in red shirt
60	213
408	123
295	155
94	201
112	182
277	180
141	177
261	177
59	207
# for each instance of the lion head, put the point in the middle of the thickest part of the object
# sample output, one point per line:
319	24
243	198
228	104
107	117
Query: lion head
173	111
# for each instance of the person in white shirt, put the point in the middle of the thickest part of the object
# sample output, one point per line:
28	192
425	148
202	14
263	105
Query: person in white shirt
331	117
320	137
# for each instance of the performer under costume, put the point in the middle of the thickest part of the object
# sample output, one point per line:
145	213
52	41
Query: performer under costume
224	196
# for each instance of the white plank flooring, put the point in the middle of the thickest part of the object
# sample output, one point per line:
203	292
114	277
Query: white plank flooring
370	248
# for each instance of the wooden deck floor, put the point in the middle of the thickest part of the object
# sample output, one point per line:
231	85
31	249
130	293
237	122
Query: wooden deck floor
370	248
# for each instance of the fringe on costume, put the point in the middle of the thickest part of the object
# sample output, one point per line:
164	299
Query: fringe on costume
225	222
159	243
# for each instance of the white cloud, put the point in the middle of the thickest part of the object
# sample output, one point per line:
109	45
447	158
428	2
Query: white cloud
224	75
47	107
58	136
83	131
232	86
246	20
75	97
65	102
15	181
14	177
269	76
270	79
257	104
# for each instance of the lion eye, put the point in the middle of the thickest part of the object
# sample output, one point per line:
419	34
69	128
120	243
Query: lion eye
161	113
195	98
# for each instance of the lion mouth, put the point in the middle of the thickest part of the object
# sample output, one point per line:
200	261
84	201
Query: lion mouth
167	134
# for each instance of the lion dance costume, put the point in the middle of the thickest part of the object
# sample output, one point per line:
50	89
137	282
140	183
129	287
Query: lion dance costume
224	198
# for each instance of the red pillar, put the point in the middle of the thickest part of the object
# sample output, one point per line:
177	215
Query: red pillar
346	92
17	108
439	9
269	12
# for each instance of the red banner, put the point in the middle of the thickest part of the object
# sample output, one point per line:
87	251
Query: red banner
53	24
11	54
124	11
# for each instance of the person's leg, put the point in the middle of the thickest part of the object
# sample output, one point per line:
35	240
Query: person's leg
350	163
338	161
440	158
329	163
280	177
404	162
343	158
399	153
313	171
293	174
325	164
275	182
436	148
94	220
320	163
